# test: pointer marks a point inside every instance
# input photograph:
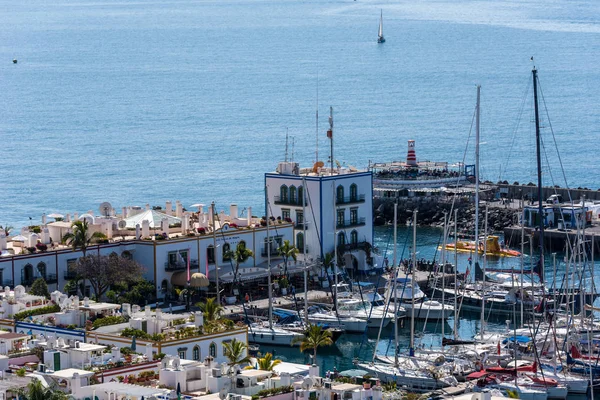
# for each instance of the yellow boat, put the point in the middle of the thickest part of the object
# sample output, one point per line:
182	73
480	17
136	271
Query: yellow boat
493	248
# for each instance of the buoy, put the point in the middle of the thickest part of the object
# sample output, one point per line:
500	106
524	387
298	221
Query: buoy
14	61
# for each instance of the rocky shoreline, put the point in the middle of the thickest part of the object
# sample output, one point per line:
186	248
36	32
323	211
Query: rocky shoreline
431	213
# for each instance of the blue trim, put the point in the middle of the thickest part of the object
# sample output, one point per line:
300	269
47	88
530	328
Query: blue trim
51	329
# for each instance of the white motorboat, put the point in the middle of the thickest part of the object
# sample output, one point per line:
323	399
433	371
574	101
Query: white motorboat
263	334
412	374
411	297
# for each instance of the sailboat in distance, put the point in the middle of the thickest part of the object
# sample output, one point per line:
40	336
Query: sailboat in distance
380	38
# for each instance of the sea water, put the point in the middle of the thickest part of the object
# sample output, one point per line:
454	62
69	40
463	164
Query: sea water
144	101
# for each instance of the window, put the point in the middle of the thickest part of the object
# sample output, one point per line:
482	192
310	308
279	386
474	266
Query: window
340	217
212	350
353	192
178	257
27	275
226	252
299	218
354	237
196	353
181	354
210	254
88	291
293	198
41	267
300	195
341	239
300	242
276	242
353	216
340	194
285	213
71	268
283	194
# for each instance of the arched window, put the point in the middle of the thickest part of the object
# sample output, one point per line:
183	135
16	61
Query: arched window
212	350
353	192
41	267
27	275
164	286
196	353
340	194
210	254
283	194
300	242
226	252
242	244
293	198
300	195
341	239
354	237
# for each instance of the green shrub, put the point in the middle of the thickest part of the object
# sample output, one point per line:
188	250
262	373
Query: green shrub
20	316
131	332
109	320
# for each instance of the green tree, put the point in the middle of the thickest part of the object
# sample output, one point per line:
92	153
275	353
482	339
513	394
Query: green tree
239	256
40	288
287	251
235	351
104	271
137	292
267	363
36	391
314	337
81	237
211	310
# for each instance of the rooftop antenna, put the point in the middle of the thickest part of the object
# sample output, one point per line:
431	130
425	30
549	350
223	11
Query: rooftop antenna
286	144
330	135
317	123
293	145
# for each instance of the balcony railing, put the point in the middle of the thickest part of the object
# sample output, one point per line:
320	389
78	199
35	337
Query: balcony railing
300	226
350	199
178	266
51	278
288	201
8	282
70	275
350	223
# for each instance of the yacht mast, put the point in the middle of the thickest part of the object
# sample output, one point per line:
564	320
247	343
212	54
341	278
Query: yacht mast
395	277
214	235
538	146
412	289
304	249
455	275
269	263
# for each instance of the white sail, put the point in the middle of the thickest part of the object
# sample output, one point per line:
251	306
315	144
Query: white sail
380	38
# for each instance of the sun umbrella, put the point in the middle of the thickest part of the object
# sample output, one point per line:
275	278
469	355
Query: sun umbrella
178	391
352	373
56	215
133	346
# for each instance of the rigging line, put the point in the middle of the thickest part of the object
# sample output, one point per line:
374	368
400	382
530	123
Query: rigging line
519	116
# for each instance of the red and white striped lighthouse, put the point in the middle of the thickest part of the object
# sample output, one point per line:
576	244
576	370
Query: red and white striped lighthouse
411	156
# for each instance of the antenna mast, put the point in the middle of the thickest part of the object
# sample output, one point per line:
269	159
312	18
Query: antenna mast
330	135
286	144
317	123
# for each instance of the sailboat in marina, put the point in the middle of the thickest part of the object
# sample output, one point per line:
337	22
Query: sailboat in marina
380	38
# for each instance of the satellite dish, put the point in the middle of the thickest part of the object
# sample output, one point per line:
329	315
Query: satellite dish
122	224
307	383
106	209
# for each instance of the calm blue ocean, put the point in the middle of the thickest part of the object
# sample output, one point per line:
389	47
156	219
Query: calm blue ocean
143	101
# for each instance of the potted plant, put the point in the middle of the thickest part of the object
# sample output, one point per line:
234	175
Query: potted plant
283	284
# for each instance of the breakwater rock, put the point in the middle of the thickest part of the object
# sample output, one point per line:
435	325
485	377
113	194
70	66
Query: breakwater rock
431	213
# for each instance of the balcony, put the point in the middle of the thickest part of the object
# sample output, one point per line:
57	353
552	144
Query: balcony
301	226
51	278
180	266
350	199
288	201
349	223
69	275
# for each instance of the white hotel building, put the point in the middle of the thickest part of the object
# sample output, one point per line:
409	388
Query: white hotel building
338	210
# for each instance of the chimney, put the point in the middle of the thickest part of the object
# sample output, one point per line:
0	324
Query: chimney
178	209
147	311
138	231
233	211
3	245
164	225
115	353
198	319
43	219
76	216
169	208
75	385
313	371
147	206
145	228
86	302
411	156
149	354
249	216
68	218
124	212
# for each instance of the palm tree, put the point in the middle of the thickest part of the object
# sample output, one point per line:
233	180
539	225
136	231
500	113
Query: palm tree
211	310
287	251
81	238
6	229
314	337
235	351
36	391
267	363
240	255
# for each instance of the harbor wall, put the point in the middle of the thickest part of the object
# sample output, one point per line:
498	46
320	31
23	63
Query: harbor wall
554	239
530	192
